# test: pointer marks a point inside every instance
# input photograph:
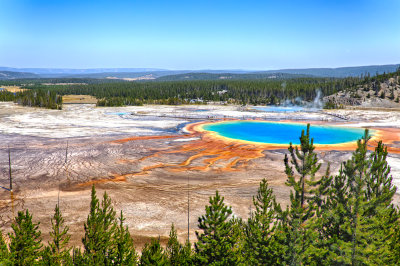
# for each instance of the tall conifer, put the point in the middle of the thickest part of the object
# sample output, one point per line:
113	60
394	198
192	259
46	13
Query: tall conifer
153	254
215	245
4	252
100	228
25	241
302	197
178	254
60	239
262	246
358	218
125	253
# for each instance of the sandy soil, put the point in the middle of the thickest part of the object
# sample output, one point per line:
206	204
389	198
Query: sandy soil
88	99
143	159
12	88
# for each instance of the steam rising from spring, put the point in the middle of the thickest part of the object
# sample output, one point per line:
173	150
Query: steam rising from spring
296	105
317	103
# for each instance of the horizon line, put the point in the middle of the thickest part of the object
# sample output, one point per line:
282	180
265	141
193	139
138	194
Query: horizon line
199	69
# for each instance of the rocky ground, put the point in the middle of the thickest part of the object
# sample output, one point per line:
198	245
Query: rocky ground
152	198
376	95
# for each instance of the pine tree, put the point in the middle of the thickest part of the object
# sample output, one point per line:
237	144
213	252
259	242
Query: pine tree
92	227
262	246
239	248
78	258
302	197
317	251
216	245
379	186
153	254
358	219
125	251
394	245
305	163
345	218
173	247
177	253
59	252
4	252
25	241
382	215
100	228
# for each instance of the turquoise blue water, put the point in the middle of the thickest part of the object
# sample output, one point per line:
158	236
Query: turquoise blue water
280	109
119	113
283	133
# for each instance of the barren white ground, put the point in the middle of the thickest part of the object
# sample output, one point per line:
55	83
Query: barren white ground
151	203
84	120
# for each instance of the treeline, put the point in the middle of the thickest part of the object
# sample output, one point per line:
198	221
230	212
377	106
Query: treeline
342	219
6	96
366	79
233	91
34	98
374	83
254	92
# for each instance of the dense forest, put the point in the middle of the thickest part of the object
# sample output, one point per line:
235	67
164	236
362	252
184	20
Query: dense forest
233	91
254	92
34	98
342	219
184	92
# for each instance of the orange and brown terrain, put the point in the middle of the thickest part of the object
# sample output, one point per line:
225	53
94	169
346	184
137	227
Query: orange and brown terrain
147	158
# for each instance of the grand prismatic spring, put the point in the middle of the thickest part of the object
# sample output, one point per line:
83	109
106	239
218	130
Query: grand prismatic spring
283	133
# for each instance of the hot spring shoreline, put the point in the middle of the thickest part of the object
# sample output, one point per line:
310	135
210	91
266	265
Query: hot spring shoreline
386	135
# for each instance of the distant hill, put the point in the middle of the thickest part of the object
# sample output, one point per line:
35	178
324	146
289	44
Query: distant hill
379	91
6	75
227	76
72	71
165	74
340	72
125	75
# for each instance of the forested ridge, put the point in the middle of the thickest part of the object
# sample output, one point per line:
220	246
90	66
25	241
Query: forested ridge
183	92
34	98
342	219
381	88
254	92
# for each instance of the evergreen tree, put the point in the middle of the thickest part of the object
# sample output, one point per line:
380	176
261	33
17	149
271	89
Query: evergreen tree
47	257
262	246
78	258
359	217
394	246
153	254
216	245
4	252
125	251
178	254
305	163
25	241
302	197
238	233
173	247
381	214
348	204
59	253
317	251
100	228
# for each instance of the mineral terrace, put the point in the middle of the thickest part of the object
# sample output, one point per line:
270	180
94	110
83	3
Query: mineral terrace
146	160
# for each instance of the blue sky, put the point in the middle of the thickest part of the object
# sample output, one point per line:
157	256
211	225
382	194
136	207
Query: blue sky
199	34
